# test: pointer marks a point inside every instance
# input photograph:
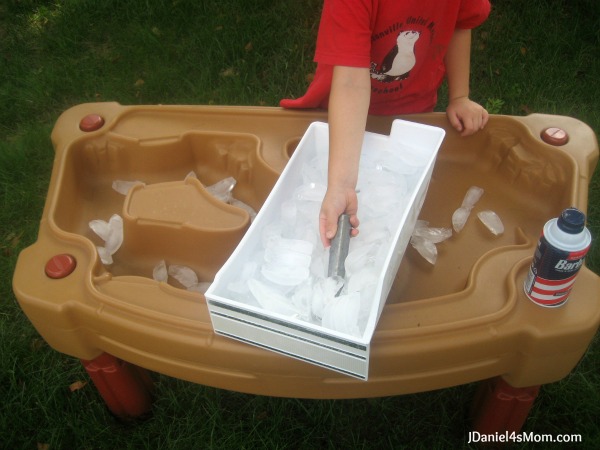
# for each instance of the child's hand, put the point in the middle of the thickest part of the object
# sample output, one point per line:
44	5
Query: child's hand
336	202
466	116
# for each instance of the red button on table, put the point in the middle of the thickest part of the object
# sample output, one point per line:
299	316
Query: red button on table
91	122
60	266
554	136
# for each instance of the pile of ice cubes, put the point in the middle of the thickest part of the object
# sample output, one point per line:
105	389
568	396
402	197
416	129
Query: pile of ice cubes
425	238
288	273
111	233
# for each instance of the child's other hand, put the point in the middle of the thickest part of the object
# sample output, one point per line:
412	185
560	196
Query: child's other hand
466	116
336	202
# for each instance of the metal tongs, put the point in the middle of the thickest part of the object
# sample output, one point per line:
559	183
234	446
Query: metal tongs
339	250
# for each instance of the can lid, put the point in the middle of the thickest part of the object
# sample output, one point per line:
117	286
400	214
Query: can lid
571	221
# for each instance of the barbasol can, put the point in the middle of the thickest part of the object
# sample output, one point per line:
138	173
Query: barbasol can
558	257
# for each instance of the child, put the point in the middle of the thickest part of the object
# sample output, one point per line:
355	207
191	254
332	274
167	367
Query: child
386	57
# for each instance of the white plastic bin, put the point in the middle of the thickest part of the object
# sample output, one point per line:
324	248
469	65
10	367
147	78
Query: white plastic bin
292	335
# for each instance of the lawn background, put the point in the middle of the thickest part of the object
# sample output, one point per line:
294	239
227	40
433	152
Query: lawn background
534	56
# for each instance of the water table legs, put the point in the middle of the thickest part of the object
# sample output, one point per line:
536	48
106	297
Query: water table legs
125	388
127	391
498	407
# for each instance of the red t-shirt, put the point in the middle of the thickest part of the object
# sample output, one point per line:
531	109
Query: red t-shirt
403	42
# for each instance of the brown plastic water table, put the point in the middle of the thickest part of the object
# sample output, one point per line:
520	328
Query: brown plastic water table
462	320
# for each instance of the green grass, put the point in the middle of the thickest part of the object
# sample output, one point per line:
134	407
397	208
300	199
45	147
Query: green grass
537	56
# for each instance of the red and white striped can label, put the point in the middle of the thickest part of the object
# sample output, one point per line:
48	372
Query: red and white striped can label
552	274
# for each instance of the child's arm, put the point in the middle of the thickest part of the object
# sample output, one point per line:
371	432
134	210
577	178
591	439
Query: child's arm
464	114
348	109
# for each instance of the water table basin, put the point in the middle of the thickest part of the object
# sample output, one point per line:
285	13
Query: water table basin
464	319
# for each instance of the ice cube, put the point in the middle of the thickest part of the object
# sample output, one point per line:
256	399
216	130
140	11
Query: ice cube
222	189
292	245
159	273
435	235
276	256
360	280
324	290
284	275
185	275
123	187
308	211
287	261
301	299
459	218
240	285
371	231
104	255
472	196
491	220
270	231
111	233
361	256
115	236
311	173
271	300
312	192
240	204
320	263
201	287
380	200
101	228
341	314
426	249
379	174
